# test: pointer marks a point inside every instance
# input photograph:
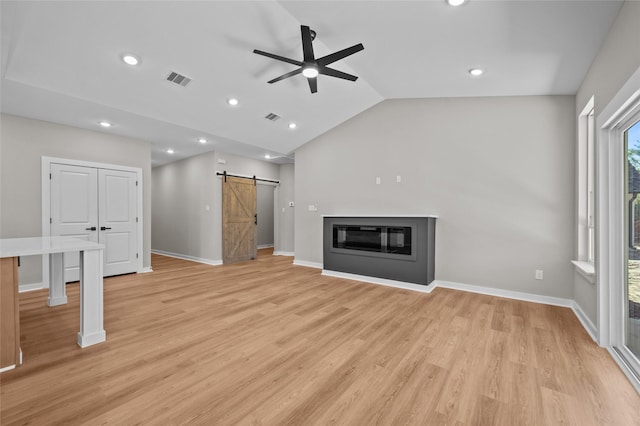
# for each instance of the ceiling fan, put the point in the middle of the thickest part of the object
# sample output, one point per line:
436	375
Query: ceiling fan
311	66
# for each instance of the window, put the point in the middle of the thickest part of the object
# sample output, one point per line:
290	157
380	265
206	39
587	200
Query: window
586	184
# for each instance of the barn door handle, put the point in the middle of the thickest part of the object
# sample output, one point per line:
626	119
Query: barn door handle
104	228
255	218
93	228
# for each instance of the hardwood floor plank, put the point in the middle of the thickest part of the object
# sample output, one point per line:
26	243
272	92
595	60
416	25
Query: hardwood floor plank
266	342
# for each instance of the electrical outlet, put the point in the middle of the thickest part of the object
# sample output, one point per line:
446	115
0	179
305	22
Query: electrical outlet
378	181
539	274
398	179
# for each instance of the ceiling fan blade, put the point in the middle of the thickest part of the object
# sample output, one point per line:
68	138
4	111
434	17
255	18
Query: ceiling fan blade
307	46
278	57
287	75
336	56
335	73
313	84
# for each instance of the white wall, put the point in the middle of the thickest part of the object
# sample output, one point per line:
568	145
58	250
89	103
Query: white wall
182	190
497	171
23	143
617	60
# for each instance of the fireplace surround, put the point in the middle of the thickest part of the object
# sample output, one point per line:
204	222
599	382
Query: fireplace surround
400	248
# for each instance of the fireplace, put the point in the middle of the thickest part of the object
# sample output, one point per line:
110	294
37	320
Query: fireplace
395	248
378	239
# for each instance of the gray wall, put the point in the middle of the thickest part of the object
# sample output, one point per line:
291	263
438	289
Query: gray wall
265	208
617	60
182	190
498	172
285	214
23	143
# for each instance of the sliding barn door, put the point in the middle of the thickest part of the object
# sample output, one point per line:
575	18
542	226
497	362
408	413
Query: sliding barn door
239	220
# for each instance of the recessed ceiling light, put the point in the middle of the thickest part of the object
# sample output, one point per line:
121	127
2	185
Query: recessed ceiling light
170	151
292	125
202	140
310	72
129	59
104	123
476	72
267	156
232	101
455	2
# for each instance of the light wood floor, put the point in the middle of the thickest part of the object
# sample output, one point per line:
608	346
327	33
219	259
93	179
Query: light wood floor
266	342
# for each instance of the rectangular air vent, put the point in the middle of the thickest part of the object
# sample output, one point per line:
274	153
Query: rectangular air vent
180	79
271	116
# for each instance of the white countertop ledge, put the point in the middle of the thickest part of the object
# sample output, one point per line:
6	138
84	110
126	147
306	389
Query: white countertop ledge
380	215
12	247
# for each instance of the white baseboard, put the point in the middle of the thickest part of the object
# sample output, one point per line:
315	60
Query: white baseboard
284	253
508	294
145	270
191	258
307	264
380	281
585	321
264	246
31	287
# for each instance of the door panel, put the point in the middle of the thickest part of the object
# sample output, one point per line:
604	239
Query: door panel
239	230
74	209
118	221
83	198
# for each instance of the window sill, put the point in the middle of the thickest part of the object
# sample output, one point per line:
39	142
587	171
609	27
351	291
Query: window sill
586	269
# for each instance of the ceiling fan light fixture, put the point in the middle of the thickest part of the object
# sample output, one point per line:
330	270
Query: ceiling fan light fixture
310	71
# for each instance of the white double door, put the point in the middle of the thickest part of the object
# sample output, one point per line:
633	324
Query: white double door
98	205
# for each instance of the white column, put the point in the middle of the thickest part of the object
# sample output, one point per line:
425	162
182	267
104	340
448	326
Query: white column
57	290
91	299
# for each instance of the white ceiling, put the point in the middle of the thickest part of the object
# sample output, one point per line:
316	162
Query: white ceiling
61	62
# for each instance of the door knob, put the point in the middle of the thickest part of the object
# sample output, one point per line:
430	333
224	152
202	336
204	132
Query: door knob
104	228
93	228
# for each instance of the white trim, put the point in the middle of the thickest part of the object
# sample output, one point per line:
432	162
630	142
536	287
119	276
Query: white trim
186	257
264	246
307	264
508	294
610	203
7	368
46	203
25	288
586	269
585	321
284	253
145	270
380	281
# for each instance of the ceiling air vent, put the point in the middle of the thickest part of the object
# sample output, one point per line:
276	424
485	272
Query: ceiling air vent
271	116
176	78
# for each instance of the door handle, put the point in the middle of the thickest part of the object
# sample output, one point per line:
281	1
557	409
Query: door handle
104	228
93	228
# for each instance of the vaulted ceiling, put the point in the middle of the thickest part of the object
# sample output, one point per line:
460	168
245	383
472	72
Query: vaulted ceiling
62	62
